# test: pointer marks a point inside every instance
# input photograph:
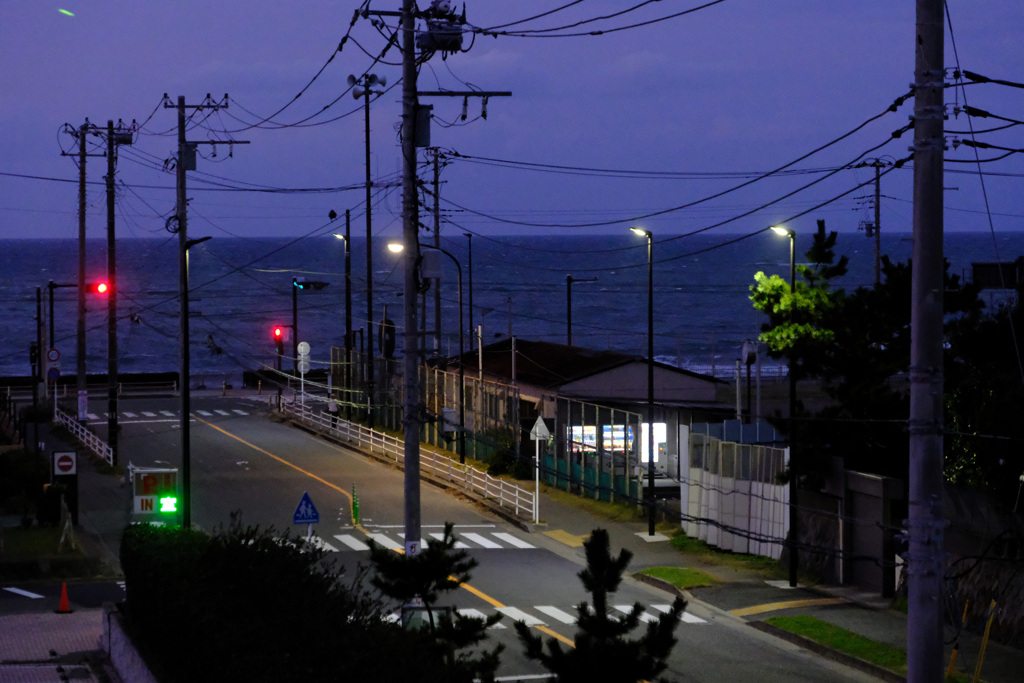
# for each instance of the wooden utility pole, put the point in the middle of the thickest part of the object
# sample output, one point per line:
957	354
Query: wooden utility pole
925	525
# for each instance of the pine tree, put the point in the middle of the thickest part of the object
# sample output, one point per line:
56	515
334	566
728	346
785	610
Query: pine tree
421	579
603	650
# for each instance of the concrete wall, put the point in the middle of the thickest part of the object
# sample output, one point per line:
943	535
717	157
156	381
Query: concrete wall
119	647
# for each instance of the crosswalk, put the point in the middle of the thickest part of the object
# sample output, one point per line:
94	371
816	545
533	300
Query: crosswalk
546	615
494	540
162	415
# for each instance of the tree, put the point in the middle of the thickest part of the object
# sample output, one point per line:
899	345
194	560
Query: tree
800	319
421	579
602	651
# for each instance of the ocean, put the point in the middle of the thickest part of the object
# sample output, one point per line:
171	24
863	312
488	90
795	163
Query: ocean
242	288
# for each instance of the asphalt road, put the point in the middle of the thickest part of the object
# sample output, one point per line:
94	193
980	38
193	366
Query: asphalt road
242	461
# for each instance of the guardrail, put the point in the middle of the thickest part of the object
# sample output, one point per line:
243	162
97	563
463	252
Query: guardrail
433	463
91	441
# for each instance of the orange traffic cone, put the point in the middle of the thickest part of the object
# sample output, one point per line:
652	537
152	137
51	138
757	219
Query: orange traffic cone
64	607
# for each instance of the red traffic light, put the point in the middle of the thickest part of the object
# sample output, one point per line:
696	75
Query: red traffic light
278	333
98	288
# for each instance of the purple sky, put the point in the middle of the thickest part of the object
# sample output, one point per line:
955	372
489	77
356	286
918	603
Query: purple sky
741	87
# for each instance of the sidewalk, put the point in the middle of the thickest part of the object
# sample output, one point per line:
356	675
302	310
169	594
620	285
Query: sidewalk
747	596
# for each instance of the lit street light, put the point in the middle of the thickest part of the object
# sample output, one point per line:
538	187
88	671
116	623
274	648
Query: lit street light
650	376
793	524
396	247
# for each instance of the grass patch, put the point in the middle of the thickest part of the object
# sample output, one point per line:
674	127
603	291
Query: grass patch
836	638
760	564
681	577
22	543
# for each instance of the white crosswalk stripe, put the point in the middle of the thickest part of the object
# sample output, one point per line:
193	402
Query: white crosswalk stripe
222	412
512	540
320	543
92	416
485	542
459	545
146	413
687	617
129	414
556	614
205	413
166	413
239	412
351	541
516	614
477	614
385	541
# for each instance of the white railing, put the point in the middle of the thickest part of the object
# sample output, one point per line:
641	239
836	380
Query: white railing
433	463
91	441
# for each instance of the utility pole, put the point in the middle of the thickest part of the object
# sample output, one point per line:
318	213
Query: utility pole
115	138
925	525
81	379
410	235
367	81
186	161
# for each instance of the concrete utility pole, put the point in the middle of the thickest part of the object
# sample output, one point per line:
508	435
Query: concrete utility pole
187	162
410	236
113	140
437	245
925	526
81	379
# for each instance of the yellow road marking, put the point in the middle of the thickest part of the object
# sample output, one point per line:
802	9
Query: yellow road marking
475	591
789	604
567	538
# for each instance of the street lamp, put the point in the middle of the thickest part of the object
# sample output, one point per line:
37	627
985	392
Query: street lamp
396	247
650	376
347	237
367	81
793	523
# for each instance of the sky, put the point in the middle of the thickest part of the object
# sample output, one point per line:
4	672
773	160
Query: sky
651	125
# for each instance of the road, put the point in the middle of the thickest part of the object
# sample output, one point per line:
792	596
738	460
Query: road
242	461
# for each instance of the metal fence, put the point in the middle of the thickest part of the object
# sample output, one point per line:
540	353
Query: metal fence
435	464
91	441
731	497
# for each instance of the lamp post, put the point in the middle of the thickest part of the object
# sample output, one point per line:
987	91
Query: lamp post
650	376
569	279
367	81
347	237
794	525
396	247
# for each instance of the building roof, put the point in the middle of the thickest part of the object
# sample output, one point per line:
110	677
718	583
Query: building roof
548	365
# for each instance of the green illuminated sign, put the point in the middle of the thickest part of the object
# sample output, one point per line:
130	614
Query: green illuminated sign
169	504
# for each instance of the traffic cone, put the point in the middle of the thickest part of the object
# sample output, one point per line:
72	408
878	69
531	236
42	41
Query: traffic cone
64	607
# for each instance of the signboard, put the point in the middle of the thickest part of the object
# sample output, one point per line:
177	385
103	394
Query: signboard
65	462
155	491
306	512
540	431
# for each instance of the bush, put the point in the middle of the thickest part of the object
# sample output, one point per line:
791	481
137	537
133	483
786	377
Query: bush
243	605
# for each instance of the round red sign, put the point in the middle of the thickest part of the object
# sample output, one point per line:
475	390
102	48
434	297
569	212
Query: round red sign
65	463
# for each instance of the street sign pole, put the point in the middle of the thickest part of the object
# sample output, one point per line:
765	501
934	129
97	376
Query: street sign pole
539	432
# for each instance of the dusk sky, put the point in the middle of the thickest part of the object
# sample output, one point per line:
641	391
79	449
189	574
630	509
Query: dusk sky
631	127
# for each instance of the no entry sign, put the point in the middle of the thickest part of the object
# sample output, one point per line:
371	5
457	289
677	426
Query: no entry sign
65	463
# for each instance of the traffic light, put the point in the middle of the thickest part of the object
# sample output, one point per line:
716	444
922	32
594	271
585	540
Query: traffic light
278	334
101	287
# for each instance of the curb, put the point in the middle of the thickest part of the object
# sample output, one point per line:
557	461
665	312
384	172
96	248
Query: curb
841	657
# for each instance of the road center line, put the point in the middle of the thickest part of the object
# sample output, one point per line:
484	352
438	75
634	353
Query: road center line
480	594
